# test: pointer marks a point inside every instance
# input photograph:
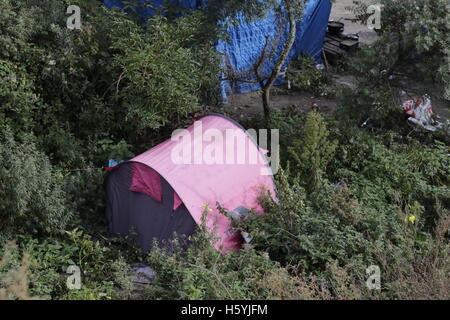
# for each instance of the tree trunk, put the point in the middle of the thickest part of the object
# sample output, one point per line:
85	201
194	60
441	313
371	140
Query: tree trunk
280	63
266	103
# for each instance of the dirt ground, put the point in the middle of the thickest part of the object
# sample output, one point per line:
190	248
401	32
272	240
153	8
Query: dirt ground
340	13
249	104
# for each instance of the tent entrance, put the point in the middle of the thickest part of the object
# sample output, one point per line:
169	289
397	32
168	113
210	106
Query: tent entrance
143	205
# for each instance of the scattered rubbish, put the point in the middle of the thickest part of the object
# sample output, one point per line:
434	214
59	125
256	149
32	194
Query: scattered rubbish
337	43
365	123
391	74
113	163
352	36
320	66
239	213
421	114
144	273
335	27
349	44
246	237
347	81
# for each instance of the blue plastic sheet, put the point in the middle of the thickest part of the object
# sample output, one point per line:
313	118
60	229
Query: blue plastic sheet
247	39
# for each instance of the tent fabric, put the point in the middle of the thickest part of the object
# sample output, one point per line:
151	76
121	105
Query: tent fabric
137	215
176	201
247	39
201	186
146	181
190	190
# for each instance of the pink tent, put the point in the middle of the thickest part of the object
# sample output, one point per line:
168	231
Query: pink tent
167	189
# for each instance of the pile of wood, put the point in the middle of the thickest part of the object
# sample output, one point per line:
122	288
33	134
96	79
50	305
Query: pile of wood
337	43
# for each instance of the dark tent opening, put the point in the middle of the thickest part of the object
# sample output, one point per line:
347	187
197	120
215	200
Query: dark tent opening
140	216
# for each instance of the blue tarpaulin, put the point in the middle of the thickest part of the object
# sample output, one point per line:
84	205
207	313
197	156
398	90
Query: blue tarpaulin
247	39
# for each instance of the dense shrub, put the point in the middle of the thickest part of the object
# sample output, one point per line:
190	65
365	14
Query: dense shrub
14	279
18	102
104	269
109	80
32	199
348	197
305	76
296	233
313	151
382	201
201	272
418	28
396	174
163	72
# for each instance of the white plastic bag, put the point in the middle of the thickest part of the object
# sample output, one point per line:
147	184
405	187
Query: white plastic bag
421	113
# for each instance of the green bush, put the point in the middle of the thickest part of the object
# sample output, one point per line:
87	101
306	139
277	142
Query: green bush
32	199
348	197
380	201
201	272
14	274
418	28
163	72
18	102
104	269
294	232
393	175
305	76
313	151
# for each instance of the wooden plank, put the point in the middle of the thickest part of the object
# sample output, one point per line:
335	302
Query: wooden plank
349	43
333	49
333	43
339	45
334	38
